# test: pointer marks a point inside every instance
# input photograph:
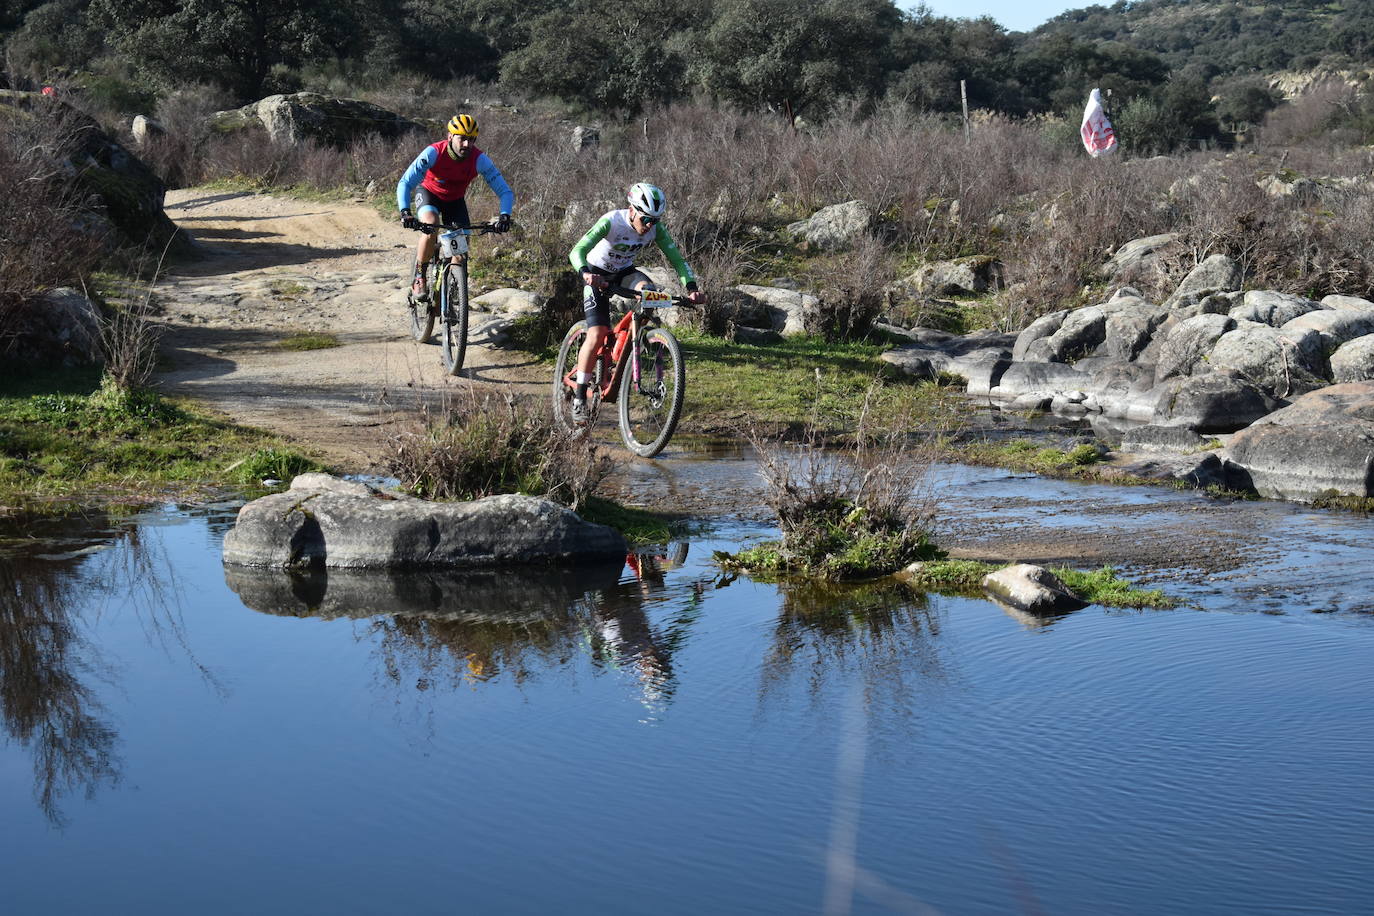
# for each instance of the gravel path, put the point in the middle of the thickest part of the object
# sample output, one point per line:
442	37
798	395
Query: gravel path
275	266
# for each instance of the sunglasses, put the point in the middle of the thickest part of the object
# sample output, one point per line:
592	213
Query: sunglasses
648	220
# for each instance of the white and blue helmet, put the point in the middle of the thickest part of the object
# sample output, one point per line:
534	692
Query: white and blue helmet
647	199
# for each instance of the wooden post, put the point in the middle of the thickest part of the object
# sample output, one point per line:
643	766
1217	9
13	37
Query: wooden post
963	95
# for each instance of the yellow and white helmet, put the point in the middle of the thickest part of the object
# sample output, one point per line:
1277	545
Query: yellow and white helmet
647	199
463	125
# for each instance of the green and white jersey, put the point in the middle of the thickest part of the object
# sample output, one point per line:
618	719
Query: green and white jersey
612	245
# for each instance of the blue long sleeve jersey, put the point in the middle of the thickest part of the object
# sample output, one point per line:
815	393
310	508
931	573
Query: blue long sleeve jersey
426	161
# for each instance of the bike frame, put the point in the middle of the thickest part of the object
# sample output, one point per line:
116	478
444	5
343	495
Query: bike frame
613	351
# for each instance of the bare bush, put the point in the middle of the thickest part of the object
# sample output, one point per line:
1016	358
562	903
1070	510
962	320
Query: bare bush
858	511
490	445
49	234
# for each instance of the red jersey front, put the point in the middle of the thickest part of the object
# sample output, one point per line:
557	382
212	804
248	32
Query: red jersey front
448	178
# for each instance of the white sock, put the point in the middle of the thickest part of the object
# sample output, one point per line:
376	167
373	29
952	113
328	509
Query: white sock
583	378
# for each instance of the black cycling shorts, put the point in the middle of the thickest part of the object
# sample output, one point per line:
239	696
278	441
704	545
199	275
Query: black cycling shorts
596	303
451	212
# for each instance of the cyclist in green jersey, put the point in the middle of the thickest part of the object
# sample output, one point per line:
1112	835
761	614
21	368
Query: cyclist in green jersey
605	256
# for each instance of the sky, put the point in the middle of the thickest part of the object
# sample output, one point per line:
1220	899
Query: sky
1016	15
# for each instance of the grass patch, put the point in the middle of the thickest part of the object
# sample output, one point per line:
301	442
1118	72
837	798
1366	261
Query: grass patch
289	289
797	381
1100	586
308	340
64	438
640	526
1027	455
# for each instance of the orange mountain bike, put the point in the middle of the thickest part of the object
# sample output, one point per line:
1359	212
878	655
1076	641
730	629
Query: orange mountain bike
640	367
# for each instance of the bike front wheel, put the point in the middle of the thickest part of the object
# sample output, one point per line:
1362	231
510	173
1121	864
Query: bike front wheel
651	392
422	311
455	317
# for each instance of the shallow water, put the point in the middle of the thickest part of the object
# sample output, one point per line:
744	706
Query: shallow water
182	739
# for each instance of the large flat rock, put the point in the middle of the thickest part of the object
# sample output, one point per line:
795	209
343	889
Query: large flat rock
325	522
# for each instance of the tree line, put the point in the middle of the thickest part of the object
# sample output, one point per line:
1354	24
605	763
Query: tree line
793	57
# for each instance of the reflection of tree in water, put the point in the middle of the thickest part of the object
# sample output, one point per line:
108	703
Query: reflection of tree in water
885	633
45	706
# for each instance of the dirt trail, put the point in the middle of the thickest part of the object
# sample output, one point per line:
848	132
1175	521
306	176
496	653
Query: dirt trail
274	266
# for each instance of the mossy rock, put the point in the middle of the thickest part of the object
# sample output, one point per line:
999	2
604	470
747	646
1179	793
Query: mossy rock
129	195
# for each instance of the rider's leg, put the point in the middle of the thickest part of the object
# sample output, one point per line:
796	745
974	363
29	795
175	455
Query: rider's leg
596	306
424	250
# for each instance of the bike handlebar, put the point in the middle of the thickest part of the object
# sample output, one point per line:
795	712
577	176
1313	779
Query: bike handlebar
638	296
431	228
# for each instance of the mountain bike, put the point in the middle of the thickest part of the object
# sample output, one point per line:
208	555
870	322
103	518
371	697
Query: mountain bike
646	378
446	274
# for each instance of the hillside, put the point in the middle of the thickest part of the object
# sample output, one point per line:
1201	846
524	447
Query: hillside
1225	38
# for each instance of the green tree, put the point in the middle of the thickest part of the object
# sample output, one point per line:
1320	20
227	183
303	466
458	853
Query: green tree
615	55
234	43
786	55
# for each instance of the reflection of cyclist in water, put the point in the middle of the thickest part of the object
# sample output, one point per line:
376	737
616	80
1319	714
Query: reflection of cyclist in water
625	637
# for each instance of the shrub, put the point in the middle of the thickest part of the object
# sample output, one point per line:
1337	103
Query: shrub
495	445
855	512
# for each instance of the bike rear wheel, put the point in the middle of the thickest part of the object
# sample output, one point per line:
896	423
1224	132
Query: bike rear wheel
651	392
454	331
422	312
564	373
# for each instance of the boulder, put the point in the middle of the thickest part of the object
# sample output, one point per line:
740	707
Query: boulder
310	115
834	228
1218	273
1321	444
1139	257
1188	343
962	277
1275	309
1155	438
509	301
129	195
1194	470
1280	363
585	138
326	522
1131	325
1038	329
1353	361
1216	402
63	330
1205	302
1044	379
1082	331
1347	303
787	311
976	354
144	128
1031	589
1333	326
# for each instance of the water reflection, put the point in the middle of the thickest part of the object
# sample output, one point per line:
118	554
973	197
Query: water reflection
45	705
883	635
448	629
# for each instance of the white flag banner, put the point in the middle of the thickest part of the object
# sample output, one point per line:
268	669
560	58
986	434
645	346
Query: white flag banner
1098	136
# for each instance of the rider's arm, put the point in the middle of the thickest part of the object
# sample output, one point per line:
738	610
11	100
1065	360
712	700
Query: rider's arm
492	175
669	248
578	255
405	188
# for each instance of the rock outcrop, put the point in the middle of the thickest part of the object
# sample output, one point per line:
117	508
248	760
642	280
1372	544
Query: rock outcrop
310	115
326	522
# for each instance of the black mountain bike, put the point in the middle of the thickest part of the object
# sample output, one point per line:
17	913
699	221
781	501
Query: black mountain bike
446	274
